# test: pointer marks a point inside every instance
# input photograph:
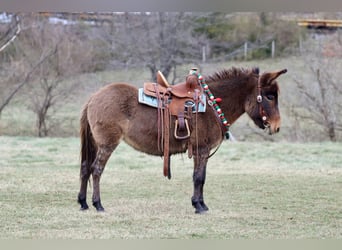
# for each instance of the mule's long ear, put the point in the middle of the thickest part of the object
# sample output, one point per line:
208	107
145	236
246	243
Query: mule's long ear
269	77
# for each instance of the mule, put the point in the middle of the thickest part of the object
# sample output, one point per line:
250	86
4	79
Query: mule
113	114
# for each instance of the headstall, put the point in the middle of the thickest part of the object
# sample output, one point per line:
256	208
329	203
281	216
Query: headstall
259	101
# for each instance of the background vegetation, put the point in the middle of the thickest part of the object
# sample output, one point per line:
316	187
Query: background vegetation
56	60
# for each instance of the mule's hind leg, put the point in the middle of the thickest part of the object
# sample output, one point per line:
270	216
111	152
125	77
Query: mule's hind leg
97	167
82	196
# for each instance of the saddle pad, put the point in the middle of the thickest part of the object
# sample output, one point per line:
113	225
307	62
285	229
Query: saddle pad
153	102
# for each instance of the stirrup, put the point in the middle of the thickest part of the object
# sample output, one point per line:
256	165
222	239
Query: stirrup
187	129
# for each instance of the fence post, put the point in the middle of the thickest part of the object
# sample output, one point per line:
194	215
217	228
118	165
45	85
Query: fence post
245	50
273	48
204	54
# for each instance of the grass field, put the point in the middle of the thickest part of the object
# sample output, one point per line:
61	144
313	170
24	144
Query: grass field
254	191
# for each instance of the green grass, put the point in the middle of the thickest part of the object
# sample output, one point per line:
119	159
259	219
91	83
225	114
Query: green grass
253	190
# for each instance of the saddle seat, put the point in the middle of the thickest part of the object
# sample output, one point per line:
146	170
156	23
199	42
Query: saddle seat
188	89
177	95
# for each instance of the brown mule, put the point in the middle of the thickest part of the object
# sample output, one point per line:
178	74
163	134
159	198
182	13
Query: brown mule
113	114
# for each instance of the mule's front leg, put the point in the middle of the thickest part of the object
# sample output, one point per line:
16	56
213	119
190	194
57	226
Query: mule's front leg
200	165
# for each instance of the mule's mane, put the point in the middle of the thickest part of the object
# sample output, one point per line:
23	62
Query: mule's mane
227	74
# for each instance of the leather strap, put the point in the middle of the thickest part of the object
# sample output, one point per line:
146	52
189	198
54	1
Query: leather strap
167	172
181	122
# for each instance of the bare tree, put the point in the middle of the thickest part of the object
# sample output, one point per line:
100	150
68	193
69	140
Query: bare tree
6	38
321	92
52	86
26	79
11	32
47	56
158	41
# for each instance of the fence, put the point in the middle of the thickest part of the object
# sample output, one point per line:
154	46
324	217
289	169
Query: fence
242	51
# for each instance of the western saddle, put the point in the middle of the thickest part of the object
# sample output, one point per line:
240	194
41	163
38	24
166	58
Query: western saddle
180	101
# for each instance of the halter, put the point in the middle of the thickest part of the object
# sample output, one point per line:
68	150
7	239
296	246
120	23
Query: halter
259	101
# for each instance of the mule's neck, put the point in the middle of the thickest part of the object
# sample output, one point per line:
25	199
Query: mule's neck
234	97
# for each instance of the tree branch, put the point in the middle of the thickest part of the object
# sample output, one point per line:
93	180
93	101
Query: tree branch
27	77
10	40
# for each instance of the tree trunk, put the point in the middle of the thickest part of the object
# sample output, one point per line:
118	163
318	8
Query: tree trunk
332	131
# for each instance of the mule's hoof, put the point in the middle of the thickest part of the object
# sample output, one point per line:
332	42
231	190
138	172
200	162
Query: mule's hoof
204	206
84	208
98	206
83	203
201	211
100	210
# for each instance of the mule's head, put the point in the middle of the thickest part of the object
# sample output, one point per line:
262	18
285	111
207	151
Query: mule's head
262	104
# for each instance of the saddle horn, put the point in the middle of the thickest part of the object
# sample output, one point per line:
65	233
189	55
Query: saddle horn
162	80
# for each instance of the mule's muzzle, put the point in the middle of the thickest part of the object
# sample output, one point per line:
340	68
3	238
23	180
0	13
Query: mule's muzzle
271	128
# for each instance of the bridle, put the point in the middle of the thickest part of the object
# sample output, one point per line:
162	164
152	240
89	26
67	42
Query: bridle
259	101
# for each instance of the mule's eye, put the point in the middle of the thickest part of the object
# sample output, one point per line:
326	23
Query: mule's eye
270	97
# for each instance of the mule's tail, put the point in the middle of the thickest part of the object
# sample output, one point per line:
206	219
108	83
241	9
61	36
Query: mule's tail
88	146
